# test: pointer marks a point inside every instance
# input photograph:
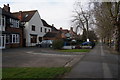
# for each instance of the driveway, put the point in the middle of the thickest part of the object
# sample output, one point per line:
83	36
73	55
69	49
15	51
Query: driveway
38	57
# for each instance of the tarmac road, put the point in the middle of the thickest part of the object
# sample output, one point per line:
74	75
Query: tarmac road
99	63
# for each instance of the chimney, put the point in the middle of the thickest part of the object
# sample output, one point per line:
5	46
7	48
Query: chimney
20	15
6	8
52	25
71	28
60	28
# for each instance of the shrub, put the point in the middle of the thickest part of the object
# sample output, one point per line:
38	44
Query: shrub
58	44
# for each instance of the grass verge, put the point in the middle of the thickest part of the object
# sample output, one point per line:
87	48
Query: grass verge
75	50
34	72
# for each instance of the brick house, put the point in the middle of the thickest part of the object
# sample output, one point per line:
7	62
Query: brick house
10	28
60	34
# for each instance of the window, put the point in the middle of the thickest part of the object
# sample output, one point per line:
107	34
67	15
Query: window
0	20
15	23
33	38
7	39
3	21
41	29
49	30
33	28
40	39
45	30
15	38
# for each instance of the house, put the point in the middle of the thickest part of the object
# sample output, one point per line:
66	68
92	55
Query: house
60	34
11	31
34	29
68	33
47	25
54	35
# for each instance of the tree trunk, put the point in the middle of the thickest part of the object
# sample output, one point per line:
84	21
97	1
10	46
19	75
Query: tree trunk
117	43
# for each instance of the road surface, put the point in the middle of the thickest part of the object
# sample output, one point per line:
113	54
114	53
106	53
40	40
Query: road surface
99	63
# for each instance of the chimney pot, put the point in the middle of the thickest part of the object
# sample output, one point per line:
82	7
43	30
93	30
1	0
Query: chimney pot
7	5
52	25
71	28
60	28
6	8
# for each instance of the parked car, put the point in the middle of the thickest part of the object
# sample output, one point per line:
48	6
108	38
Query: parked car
45	43
88	44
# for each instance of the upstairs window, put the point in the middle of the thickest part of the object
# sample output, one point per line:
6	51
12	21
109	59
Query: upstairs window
49	30
3	21
45	30
14	23
0	20
41	29
33	28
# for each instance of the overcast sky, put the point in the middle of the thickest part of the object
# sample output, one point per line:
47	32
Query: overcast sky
57	12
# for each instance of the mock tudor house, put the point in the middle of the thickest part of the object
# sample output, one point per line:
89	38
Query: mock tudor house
11	32
34	29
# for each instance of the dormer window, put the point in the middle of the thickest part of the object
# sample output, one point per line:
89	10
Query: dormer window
26	15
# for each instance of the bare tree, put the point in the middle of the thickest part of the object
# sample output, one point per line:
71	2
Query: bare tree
107	16
82	18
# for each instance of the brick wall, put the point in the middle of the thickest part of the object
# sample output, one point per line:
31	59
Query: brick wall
15	30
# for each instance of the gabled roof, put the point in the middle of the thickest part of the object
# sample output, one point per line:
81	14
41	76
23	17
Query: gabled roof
52	34
47	25
25	15
64	30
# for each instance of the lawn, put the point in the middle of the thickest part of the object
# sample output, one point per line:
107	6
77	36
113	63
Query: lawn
34	72
75	50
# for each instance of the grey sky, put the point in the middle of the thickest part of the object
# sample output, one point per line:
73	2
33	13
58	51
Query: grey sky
57	12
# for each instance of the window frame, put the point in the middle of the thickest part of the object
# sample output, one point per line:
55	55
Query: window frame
15	23
45	30
33	28
3	21
41	29
15	38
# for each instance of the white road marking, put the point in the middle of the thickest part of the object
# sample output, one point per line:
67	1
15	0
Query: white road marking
48	54
106	69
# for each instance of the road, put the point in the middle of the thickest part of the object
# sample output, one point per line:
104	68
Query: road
99	63
38	57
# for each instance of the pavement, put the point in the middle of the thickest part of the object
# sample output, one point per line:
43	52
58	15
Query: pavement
38	57
99	63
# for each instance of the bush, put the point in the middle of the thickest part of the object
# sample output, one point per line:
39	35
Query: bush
58	44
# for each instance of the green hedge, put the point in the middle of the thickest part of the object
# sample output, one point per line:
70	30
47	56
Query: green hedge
58	44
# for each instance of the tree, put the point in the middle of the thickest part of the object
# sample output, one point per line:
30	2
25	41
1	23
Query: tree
114	11
104	27
107	16
82	19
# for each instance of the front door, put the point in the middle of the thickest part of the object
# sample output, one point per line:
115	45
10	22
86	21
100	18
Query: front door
2	41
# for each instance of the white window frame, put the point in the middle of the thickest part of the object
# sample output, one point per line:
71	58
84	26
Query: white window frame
16	37
15	23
